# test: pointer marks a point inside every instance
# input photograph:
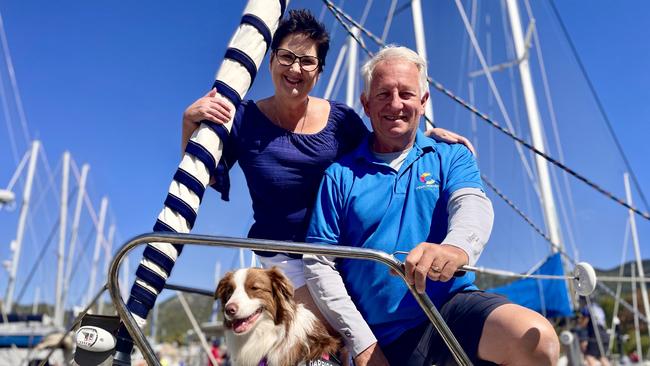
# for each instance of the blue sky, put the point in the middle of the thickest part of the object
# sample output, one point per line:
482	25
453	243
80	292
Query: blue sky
109	83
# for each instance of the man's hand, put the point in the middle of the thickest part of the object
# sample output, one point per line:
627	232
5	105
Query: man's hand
371	356
440	134
438	262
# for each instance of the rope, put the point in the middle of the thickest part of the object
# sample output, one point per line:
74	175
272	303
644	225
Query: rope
41	255
517	210
598	103
335	11
14	83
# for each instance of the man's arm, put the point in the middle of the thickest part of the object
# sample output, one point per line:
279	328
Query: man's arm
326	285
470	221
470	224
330	295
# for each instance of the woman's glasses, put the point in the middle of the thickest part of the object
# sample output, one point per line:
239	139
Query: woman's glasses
287	58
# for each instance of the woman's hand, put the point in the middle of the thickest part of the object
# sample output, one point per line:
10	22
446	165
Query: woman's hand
443	135
209	107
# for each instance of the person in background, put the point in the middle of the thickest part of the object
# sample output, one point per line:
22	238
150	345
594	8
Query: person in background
591	320
216	353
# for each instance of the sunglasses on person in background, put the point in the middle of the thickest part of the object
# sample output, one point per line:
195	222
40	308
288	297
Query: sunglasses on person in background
287	58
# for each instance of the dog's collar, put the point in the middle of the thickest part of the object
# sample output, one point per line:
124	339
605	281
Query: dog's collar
263	362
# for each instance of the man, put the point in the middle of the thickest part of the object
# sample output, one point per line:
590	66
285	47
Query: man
400	191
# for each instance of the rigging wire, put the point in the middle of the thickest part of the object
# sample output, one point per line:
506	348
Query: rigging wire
39	258
19	169
14	84
42	255
84	247
440	87
8	122
601	108
619	286
44	192
389	19
465	61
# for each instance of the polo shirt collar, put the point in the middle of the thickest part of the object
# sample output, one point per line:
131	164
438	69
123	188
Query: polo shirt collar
421	145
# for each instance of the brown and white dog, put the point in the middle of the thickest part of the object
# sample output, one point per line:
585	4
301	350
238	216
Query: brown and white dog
264	325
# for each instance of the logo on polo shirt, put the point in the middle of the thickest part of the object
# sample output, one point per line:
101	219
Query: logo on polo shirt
427	181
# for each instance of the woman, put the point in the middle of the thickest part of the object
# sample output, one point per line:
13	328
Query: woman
283	143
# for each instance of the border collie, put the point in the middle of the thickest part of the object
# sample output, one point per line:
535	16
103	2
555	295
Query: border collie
264	325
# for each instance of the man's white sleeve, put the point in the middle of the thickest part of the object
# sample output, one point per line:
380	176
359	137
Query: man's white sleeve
470	221
330	295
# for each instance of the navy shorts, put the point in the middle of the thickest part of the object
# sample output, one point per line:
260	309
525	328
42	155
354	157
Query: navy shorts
465	314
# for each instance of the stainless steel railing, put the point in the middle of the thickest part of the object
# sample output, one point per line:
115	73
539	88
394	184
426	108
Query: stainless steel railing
269	246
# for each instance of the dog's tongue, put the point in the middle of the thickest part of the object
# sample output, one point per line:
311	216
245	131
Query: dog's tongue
242	325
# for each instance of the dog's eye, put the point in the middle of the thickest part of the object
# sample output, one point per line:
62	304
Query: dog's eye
257	287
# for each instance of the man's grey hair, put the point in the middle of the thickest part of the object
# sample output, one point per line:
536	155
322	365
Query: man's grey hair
394	52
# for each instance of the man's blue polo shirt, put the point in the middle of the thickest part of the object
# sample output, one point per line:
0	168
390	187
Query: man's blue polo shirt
363	202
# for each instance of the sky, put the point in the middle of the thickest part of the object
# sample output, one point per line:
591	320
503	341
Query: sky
109	83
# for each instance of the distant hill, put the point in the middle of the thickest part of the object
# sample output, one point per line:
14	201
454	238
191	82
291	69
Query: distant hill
173	323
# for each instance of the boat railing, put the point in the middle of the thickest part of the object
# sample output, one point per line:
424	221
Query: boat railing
268	246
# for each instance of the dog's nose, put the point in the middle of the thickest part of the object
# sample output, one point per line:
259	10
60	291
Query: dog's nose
231	309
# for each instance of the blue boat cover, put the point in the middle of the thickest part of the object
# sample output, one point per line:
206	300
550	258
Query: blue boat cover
548	297
20	341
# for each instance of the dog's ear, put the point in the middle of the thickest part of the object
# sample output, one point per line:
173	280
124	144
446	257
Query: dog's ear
224	288
282	294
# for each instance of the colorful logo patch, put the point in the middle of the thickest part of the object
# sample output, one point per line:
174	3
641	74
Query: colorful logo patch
426	179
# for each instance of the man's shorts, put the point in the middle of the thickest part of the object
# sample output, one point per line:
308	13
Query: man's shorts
465	314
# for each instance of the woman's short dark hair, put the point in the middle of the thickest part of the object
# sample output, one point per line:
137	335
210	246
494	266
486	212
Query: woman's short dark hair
302	21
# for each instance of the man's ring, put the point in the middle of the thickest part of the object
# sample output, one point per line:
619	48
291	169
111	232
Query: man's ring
435	268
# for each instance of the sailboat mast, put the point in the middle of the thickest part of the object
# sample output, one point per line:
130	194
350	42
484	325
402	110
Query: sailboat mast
548	202
421	46
108	250
352	68
63	223
81	192
99	239
637	332
637	250
24	209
